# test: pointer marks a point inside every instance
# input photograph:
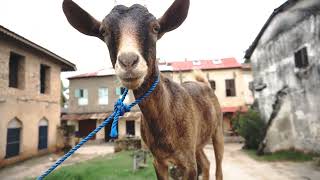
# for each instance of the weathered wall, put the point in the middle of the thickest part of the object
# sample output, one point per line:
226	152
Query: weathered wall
289	97
28	104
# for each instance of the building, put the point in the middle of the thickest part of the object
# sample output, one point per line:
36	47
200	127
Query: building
227	77
285	61
29	97
91	101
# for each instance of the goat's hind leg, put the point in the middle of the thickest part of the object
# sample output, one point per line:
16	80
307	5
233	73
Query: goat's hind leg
203	164
218	145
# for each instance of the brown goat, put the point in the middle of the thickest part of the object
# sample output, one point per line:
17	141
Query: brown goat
178	120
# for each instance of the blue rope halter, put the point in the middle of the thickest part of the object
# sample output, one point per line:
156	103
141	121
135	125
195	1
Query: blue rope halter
119	109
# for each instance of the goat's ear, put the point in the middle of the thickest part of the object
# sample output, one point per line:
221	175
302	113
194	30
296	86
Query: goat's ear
174	16
80	19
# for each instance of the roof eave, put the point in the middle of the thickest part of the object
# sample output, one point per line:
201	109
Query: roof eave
66	65
254	44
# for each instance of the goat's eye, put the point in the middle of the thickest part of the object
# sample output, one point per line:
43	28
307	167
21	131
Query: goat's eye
156	28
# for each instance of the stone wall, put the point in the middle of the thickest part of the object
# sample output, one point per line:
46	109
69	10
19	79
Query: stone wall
288	96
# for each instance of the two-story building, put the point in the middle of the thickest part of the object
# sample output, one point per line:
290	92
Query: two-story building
91	101
29	97
227	77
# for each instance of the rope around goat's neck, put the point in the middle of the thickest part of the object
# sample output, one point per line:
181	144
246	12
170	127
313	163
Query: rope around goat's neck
119	109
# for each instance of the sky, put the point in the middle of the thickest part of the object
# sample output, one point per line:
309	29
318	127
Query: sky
213	28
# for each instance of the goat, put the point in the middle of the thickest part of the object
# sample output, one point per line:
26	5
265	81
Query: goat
178	120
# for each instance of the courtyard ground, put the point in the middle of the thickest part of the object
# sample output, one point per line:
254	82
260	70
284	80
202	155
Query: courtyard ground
236	165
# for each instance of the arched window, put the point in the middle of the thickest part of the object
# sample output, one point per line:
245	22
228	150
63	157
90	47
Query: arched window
43	134
13	138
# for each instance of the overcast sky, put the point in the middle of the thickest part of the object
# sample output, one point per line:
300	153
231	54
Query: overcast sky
213	29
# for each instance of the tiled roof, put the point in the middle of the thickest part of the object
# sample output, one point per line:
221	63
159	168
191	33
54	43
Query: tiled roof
225	63
66	65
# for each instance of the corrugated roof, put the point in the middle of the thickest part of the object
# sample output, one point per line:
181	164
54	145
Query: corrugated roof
225	63
234	109
99	73
67	66
85	116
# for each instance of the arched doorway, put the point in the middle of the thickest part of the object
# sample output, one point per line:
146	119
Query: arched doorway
43	134
13	138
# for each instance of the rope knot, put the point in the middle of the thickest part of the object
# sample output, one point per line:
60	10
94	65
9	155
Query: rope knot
121	107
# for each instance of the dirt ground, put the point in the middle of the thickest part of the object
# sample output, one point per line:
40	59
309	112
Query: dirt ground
236	165
239	166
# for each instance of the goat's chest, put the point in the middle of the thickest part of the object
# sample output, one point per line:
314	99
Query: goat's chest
165	139
158	139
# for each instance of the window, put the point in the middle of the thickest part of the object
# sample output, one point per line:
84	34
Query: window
43	134
103	96
230	88
44	79
213	85
82	95
301	58
130	128
16	71
196	63
216	61
13	138
120	91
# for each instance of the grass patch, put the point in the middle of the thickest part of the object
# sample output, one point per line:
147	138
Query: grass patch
282	156
110	167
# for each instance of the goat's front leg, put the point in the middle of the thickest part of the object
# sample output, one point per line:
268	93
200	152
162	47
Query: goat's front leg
188	165
161	170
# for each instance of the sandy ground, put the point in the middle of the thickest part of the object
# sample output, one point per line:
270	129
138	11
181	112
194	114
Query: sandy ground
236	165
239	166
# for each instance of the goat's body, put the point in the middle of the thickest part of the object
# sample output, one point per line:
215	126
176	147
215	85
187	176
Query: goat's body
179	120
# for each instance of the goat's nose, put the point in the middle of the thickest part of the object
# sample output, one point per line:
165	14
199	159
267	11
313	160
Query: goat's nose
128	60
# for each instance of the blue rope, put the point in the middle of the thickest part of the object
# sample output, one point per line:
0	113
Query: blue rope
119	109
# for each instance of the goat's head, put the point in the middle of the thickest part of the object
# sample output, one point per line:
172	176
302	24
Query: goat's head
131	34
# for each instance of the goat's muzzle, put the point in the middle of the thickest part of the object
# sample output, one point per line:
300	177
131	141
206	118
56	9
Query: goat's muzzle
131	69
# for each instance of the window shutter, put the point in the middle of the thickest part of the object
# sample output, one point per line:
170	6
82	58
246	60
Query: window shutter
85	93
77	93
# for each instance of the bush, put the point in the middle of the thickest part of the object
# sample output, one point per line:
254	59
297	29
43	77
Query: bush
251	127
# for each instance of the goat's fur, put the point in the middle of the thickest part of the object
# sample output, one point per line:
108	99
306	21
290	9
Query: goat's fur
178	120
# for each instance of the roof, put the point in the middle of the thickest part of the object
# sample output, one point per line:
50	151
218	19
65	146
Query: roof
246	66
99	73
94	116
278	10
234	109
66	65
226	63
85	116
111	72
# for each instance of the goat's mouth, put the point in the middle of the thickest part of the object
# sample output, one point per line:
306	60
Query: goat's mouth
131	81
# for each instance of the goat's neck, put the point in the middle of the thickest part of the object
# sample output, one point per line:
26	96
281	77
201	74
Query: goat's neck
153	107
